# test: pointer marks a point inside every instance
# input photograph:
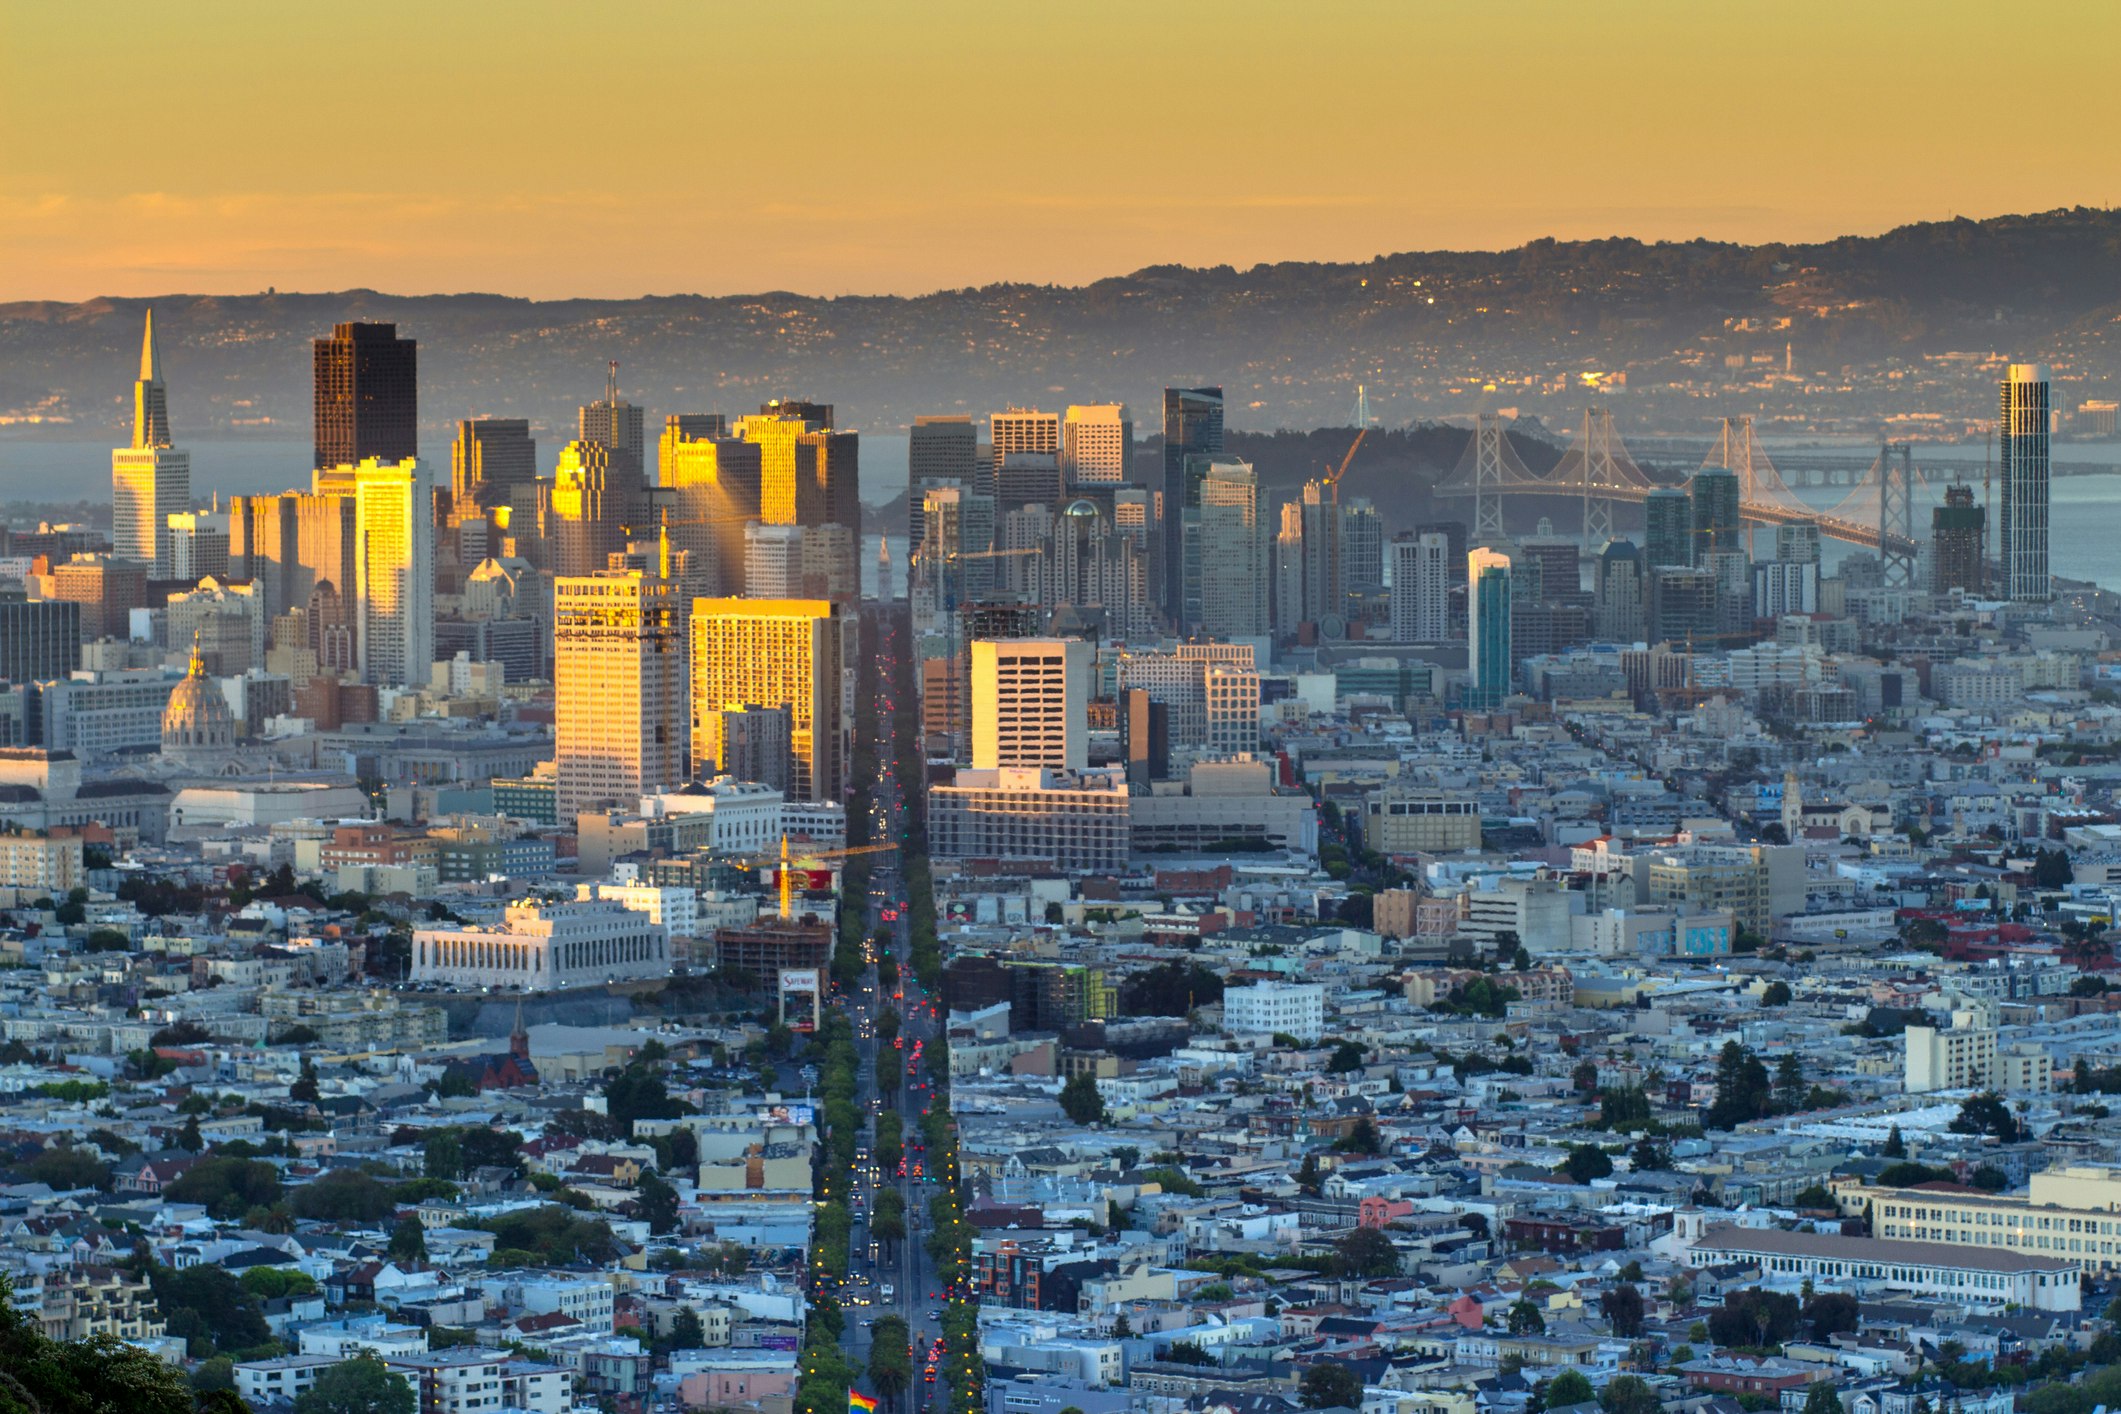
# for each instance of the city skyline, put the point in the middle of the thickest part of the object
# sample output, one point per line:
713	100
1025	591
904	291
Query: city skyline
228	199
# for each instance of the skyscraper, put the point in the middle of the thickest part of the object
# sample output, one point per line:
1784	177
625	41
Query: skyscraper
942	447
1714	493
1421	588
809	473
1958	530
1193	426
394	581
619	700
678	429
716	484
1362	555
952	566
773	561
1030	703
1617	606
1233	553
490	457
1324	586
1488	629
594	502
1289	570
617	426
151	479
1021	430
1668	519
2021	445
367	395
1097	444
773	653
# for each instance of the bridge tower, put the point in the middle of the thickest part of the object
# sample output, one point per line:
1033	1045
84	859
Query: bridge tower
1600	474
1896	514
1487	479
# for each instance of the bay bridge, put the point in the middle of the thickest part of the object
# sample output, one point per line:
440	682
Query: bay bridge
1878	512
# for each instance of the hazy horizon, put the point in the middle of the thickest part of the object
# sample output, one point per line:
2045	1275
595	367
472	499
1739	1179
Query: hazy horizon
932	147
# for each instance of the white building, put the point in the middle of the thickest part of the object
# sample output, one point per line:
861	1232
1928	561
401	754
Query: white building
773	561
394	572
1097	440
1972	1275
1421	588
1030	703
676	911
748	817
1293	1008
542	947
469	1380
1077	820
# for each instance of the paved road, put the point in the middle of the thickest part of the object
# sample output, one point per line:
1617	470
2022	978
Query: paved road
888	1073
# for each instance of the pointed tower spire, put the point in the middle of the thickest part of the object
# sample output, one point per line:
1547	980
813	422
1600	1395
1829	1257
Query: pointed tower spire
198	664
150	400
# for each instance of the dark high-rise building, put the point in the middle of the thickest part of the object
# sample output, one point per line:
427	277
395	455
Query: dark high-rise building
1668	528
1193	427
1617	615
941	449
40	640
1958	530
367	395
2022	448
617	426
1145	733
1682	606
1714	491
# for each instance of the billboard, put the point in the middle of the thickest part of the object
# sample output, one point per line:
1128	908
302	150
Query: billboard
799	998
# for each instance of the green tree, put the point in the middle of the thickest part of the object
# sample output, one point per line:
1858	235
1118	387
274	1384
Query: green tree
1367	1252
1347	1056
1626	1107
66	1168
304	1090
1819	1398
1628	1394
39	1375
658	1203
208	1309
1525	1318
1330	1385
344	1195
686	1332
1567	1388
638	1092
1587	1162
1622	1308
362	1385
1895	1146
1987	1113
1743	1091
1362	1139
1776	993
443	1155
408	1241
1080	1101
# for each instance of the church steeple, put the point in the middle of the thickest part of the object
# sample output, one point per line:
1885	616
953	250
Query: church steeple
150	399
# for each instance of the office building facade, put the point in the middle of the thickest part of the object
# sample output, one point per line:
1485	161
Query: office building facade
1421	588
394	580
2022	466
773	653
620	708
1097	444
1193	426
1030	703
1489	659
1233	553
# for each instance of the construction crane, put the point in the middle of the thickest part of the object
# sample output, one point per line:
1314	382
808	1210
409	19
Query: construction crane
787	874
949	589
1334	582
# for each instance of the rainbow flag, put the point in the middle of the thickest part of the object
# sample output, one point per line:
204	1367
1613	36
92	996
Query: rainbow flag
856	1400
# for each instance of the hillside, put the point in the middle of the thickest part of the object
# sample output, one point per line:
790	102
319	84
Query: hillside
1847	335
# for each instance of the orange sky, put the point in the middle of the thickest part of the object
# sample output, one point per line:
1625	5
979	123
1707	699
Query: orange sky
553	147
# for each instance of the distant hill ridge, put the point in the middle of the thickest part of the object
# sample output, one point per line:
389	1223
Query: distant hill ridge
1289	341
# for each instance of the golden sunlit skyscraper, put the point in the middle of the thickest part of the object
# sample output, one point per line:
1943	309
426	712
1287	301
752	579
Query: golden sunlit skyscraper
149	480
774	653
394	572
619	710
